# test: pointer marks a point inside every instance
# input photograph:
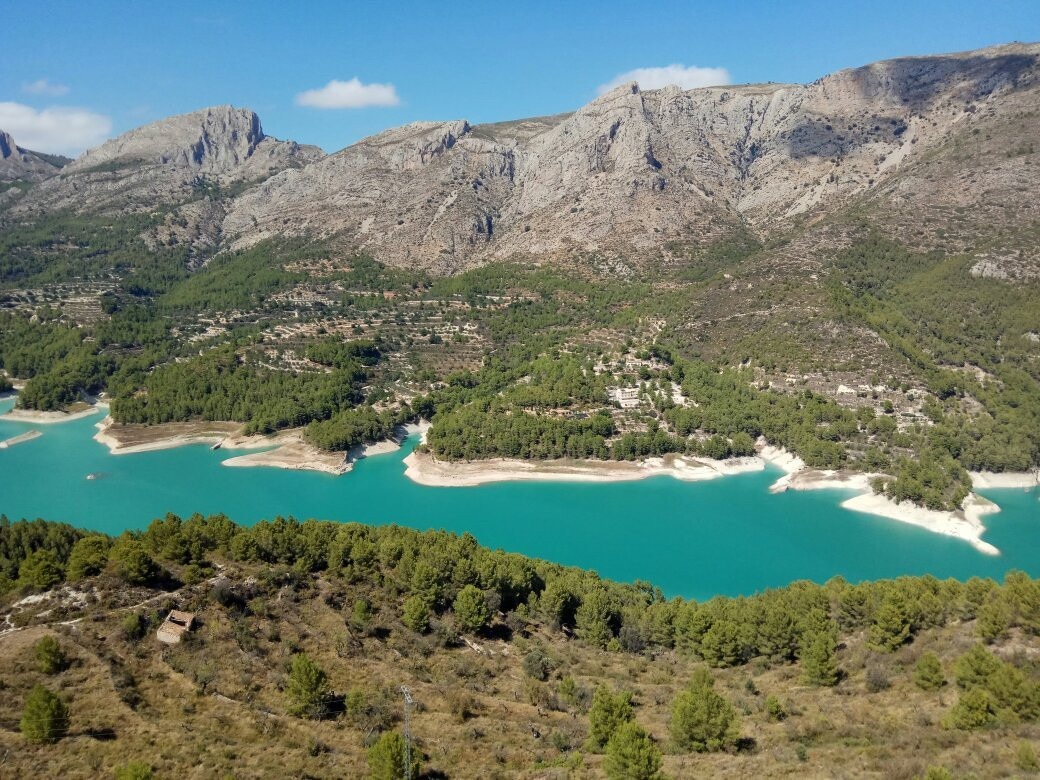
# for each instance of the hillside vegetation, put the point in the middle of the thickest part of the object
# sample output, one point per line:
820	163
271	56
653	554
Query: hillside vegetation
519	668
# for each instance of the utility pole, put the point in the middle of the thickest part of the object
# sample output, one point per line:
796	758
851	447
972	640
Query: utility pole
408	702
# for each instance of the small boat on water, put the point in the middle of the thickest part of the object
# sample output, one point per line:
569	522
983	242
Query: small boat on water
94	475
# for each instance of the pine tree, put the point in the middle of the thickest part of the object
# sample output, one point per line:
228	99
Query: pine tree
632	755
928	673
386	758
130	561
595	617
891	627
471	609
975	667
88	557
702	720
416	615
307	689
40	570
607	713
993	619
45	718
974	710
819	660
1023	597
50	658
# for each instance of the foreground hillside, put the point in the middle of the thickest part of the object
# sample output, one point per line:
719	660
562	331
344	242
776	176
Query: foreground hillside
518	668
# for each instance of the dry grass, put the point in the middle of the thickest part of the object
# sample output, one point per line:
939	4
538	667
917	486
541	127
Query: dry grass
213	707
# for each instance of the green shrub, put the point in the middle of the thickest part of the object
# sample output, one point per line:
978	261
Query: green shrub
135	770
45	718
387	760
632	755
307	688
49	656
702	720
135	626
928	673
775	709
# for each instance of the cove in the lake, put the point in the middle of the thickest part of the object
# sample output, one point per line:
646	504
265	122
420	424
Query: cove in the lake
727	536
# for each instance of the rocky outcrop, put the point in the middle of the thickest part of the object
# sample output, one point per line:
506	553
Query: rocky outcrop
939	149
18	164
223	141
193	162
171	161
634	172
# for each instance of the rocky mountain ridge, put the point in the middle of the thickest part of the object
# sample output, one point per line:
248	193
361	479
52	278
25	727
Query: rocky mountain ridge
18	164
635	175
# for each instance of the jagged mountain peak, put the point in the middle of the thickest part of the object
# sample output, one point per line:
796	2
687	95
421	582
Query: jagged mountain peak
18	164
627	175
213	138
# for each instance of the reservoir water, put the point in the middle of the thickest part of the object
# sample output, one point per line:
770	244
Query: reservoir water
727	536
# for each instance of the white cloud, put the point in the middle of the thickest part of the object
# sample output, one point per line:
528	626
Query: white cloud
57	129
682	76
349	94
44	87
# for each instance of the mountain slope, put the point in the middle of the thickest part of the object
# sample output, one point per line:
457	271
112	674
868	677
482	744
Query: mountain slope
633	170
192	162
18	164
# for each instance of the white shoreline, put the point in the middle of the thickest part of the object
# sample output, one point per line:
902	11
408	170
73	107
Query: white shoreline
288	450
424	469
23	437
1006	479
47	418
285	449
965	524
296	454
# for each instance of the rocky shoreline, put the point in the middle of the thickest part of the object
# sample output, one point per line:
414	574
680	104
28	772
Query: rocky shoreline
285	449
965	523
424	469
47	418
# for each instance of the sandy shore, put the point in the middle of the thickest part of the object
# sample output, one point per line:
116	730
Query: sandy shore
817	479
47	418
424	469
27	436
1007	479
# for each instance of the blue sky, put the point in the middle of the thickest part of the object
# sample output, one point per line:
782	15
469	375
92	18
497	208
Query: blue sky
76	72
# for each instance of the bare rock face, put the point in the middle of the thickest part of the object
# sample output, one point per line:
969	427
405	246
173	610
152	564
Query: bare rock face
212	140
171	161
425	193
940	151
18	164
633	171
193	162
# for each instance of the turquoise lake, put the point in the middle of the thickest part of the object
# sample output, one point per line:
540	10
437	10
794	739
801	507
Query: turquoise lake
727	536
